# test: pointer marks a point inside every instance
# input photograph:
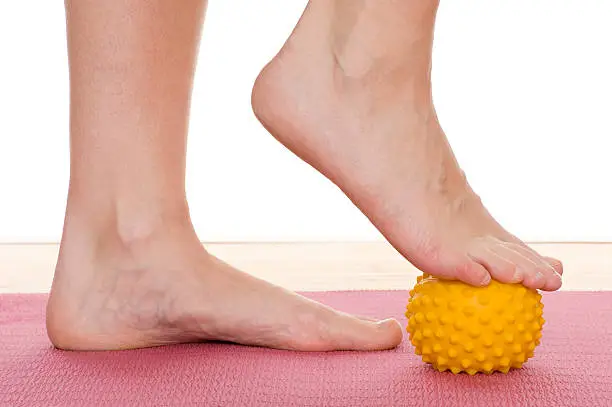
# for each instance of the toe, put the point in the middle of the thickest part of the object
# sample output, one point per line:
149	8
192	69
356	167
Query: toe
472	272
541	266
514	263
531	273
552	279
555	264
347	332
500	266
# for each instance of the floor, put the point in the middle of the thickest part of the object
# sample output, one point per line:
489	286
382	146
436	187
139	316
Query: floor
315	266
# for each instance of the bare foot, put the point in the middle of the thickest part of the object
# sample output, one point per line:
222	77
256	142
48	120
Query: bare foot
365	119
166	289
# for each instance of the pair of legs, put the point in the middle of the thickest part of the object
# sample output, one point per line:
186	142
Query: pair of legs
349	93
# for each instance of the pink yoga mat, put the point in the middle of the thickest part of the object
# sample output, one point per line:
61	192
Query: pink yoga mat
572	367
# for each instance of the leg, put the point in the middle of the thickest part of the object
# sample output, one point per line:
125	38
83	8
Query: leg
131	271
350	93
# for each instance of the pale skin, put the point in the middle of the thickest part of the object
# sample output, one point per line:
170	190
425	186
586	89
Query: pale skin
349	93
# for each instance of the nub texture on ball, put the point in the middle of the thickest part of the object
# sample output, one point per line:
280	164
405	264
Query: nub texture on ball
457	327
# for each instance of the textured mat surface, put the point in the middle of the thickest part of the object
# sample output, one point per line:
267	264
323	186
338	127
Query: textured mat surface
572	367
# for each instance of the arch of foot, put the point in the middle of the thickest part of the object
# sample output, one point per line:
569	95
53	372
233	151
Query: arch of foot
457	327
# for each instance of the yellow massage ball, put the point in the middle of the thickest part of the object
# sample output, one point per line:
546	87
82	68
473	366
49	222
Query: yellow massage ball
457	327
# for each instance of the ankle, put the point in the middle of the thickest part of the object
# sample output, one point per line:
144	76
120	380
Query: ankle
126	221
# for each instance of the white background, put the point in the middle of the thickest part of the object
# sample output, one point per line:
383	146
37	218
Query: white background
523	89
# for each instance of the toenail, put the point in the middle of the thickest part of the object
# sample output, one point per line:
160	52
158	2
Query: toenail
518	275
486	279
538	276
383	323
